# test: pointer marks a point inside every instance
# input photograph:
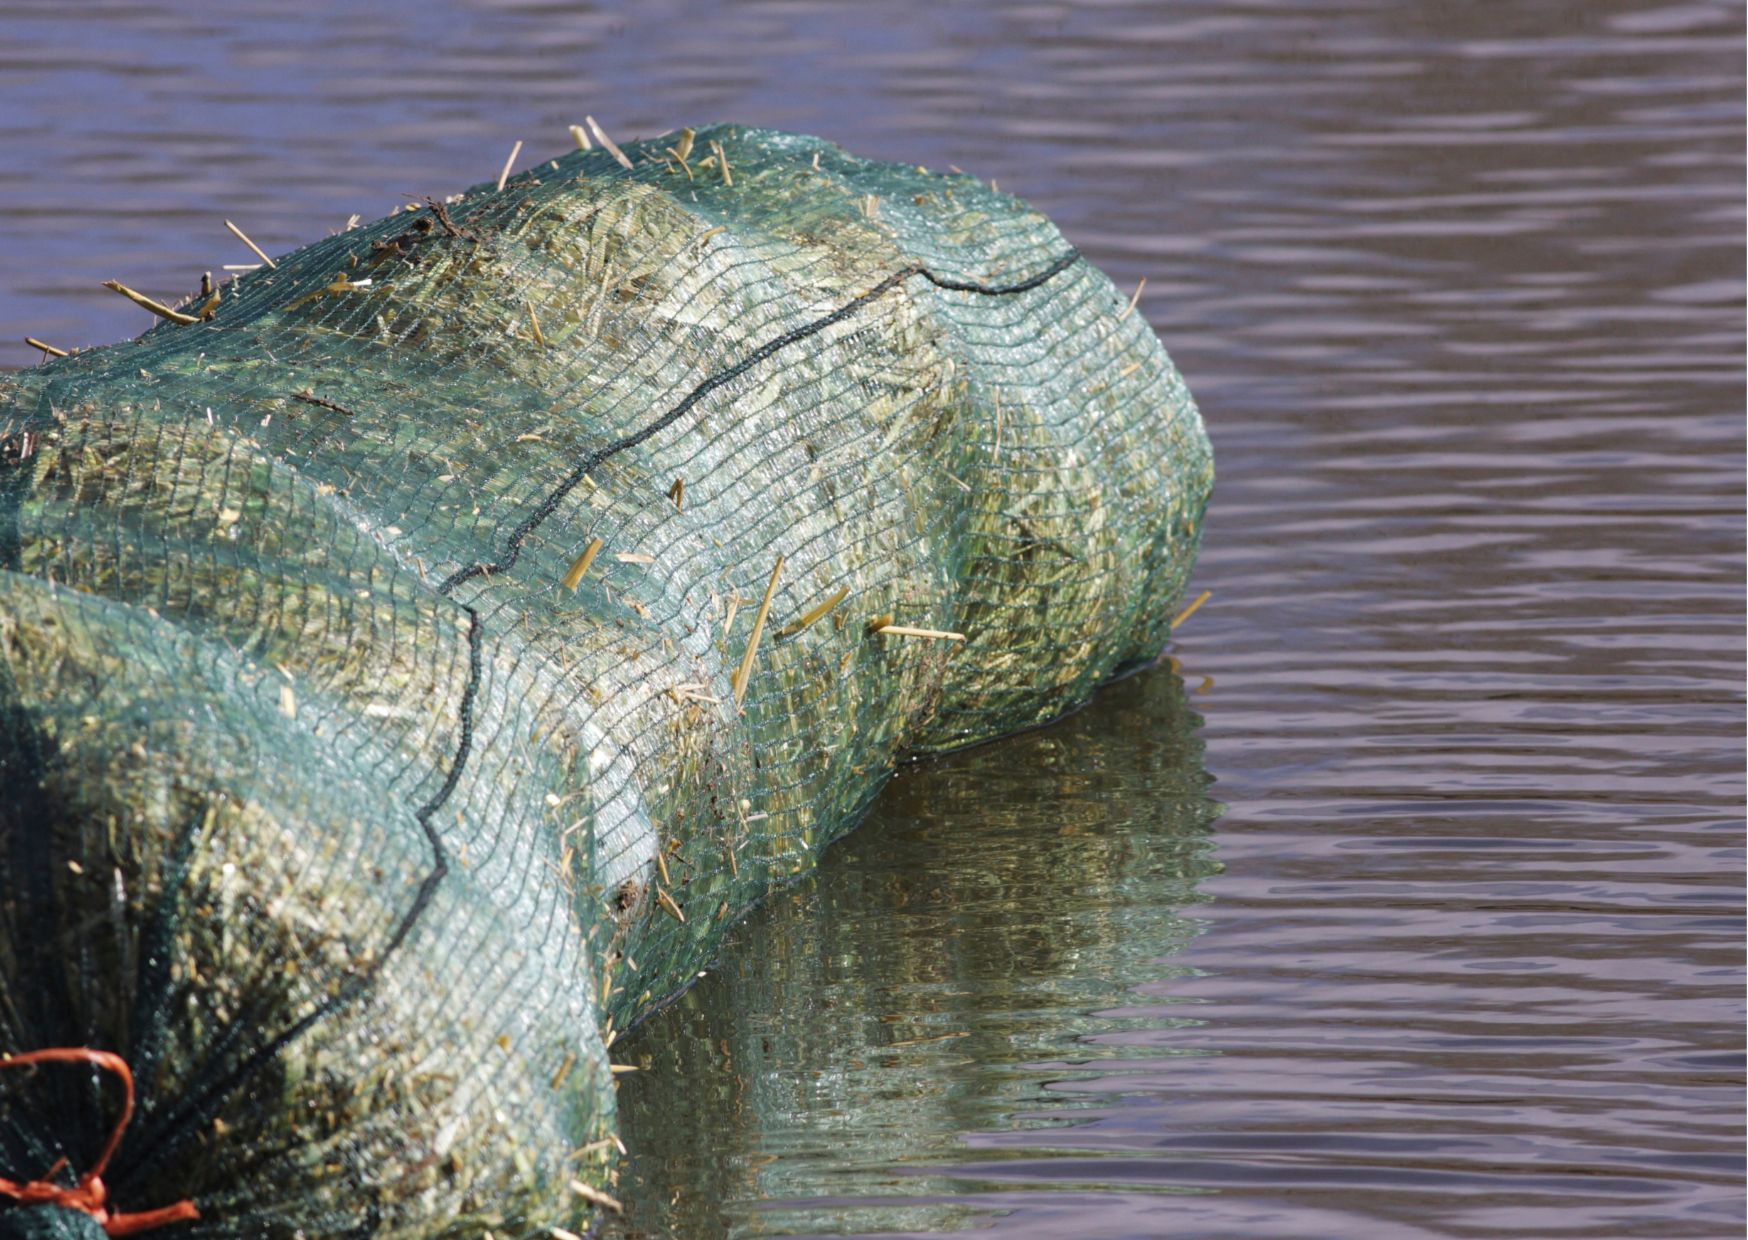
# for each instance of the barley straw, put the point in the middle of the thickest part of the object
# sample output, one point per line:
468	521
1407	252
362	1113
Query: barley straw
814	614
564	1069
34	343
157	308
1127	310
243	237
606	142
1189	611
904	630
460	405
582	138
505	174
746	664
595	1196
573	575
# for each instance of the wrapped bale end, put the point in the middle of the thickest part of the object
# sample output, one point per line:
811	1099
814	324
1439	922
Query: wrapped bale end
413	665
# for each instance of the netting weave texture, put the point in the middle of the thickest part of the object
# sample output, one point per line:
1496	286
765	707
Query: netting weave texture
369	729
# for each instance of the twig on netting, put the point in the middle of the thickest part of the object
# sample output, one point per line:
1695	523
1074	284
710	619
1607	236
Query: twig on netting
308	397
48	350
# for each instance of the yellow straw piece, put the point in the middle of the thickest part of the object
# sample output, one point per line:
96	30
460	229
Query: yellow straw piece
746	664
539	336
677	492
1133	300
1189	611
703	237
595	1196
667	902
605	141
582	137
564	1069
259	252
157	308
505	174
901	630
34	343
816	613
722	161
683	148
574	574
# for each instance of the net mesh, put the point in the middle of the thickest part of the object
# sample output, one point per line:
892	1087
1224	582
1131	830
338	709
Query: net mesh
371	726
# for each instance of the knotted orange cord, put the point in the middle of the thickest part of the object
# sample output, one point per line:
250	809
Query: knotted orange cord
89	1194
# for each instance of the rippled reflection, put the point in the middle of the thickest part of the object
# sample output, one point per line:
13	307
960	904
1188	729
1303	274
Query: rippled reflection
957	959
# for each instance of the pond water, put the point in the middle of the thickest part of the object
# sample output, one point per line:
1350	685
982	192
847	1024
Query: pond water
1408	900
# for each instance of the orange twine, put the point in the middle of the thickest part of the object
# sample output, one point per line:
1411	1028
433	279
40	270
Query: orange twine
89	1194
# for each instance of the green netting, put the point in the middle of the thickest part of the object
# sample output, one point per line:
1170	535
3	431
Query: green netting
332	807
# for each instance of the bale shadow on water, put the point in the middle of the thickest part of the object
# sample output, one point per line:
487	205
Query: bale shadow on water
944	965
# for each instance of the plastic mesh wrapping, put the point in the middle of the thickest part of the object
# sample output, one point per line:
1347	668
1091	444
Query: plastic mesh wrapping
355	829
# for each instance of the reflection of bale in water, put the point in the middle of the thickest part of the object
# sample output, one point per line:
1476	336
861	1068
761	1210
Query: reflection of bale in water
376	741
986	920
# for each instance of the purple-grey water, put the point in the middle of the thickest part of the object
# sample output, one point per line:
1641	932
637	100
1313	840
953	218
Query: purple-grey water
1408	901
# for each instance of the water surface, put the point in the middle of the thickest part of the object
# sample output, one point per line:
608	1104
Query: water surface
1460	289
